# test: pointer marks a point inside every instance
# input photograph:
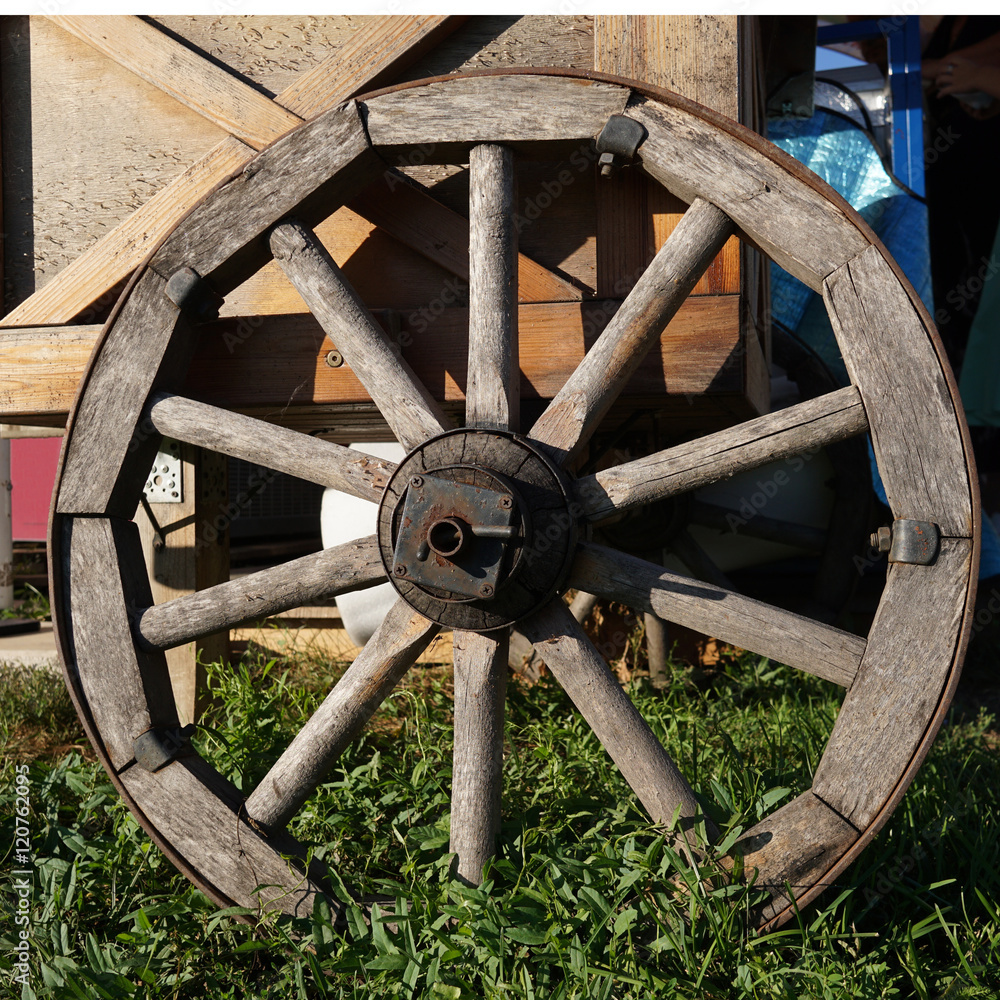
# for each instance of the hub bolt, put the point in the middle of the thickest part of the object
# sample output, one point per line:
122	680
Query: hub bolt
416	482
486	590
399	570
506	502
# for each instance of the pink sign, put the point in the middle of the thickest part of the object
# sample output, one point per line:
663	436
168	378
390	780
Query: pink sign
33	474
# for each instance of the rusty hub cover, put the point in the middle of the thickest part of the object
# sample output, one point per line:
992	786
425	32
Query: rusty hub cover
476	530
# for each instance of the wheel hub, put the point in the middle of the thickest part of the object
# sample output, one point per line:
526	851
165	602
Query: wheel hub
475	529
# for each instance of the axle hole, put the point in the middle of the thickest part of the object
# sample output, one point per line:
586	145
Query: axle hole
448	536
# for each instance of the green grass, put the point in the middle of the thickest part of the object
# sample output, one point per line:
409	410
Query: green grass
585	900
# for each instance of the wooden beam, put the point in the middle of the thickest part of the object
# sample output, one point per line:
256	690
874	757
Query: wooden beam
409	213
188	550
375	55
266	361
185	75
118	253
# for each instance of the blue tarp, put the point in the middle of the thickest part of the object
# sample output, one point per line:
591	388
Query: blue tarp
843	155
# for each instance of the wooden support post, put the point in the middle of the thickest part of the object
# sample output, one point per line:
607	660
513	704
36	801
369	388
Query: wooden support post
188	549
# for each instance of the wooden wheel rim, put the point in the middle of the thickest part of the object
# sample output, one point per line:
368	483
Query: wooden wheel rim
894	706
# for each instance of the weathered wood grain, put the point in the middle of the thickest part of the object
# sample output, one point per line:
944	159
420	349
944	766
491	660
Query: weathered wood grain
793	848
374	55
197	819
454	116
522	657
275	364
42	367
578	667
477	773
77	166
588	394
762	628
909	654
185	75
410	214
121	250
493	392
116	254
309	171
185	547
410	410
915	429
257	120
106	460
794	224
273	447
318	576
694	56
499	40
389	653
126	691
799	428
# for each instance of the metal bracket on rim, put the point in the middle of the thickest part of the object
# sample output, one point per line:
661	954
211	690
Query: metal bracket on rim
618	142
193	295
909	541
155	748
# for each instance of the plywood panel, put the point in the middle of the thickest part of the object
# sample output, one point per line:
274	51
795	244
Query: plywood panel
85	143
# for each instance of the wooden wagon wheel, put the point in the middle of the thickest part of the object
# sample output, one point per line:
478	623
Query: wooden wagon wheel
480	527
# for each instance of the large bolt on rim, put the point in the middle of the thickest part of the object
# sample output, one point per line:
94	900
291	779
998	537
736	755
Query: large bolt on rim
898	679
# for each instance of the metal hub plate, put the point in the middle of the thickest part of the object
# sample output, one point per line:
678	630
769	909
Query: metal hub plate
490	515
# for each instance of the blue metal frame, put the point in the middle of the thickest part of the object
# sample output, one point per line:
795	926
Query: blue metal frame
902	35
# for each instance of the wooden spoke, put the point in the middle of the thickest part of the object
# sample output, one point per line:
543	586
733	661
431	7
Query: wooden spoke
701	564
410	410
899	679
351	566
493	392
271	446
522	657
768	529
800	428
571	417
762	628
391	651
601	700
480	688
